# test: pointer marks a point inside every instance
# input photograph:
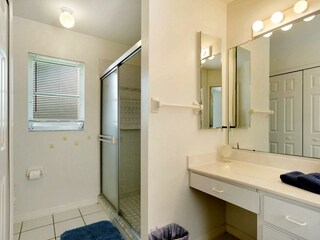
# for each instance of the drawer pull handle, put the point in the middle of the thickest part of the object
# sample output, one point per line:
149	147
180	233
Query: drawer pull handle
302	224
217	190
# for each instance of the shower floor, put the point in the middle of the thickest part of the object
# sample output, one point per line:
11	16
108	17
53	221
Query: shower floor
130	209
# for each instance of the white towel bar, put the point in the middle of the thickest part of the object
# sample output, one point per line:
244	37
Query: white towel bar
156	104
267	112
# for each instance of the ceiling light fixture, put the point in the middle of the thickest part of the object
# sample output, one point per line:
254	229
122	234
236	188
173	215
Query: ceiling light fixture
300	6
257	26
287	27
277	17
308	19
66	18
210	58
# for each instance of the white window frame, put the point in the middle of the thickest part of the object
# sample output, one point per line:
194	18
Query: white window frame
50	124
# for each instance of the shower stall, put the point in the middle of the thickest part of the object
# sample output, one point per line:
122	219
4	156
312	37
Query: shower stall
120	135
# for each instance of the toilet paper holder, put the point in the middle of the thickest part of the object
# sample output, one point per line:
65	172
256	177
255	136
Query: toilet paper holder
34	173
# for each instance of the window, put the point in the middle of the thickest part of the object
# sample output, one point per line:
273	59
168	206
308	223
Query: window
56	94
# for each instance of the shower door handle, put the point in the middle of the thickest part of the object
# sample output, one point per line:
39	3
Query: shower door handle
108	139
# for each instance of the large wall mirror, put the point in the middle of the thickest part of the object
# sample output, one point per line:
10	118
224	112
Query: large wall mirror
275	92
211	81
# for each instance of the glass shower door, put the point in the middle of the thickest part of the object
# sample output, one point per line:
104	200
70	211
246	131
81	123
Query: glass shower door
129	75
109	138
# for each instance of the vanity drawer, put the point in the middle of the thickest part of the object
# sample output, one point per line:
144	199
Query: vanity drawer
303	222
242	197
271	234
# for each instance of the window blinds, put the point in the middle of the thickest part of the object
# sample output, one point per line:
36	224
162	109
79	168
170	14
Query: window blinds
56	90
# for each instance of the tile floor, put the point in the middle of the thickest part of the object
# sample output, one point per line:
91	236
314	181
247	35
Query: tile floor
130	209
226	236
52	226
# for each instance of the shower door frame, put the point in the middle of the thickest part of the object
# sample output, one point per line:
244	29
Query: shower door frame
114	67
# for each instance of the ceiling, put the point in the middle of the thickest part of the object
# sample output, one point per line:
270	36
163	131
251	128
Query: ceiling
114	20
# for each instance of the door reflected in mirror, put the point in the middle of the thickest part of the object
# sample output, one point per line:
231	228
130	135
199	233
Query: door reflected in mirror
211	81
283	92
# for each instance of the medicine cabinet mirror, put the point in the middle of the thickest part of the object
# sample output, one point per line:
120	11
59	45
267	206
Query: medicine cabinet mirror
274	92
211	81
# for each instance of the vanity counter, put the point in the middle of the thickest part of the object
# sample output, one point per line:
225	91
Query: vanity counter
255	176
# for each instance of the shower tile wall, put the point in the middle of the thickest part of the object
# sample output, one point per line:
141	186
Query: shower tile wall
130	96
129	166
130	162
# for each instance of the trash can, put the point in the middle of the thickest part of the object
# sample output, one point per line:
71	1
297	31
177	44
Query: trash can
169	232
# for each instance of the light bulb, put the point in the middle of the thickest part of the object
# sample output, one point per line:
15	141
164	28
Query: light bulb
287	27
267	35
66	18
257	26
308	19
300	6
277	17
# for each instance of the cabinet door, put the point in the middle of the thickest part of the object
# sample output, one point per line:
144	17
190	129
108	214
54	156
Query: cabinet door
311	113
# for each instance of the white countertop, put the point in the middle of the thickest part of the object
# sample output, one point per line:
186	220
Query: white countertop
255	176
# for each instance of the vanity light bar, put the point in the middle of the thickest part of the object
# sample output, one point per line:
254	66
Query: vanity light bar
301	10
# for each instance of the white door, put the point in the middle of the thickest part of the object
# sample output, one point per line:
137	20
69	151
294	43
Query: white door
4	152
311	106
286	122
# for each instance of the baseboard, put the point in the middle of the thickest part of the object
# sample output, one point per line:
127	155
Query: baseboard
57	209
237	233
214	234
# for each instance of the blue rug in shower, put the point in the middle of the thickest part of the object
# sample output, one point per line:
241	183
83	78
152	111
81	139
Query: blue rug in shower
103	230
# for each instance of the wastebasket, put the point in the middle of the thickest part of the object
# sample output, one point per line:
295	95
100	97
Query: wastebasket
169	232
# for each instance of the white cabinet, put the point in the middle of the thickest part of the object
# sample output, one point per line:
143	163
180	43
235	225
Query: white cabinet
243	197
272	234
298	221
279	217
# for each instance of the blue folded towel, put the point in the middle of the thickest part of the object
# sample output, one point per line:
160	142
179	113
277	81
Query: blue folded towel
292	178
103	230
310	182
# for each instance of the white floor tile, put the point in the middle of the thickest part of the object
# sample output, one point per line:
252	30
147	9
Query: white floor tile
16	237
96	217
43	233
36	223
16	228
59	217
61	227
91	209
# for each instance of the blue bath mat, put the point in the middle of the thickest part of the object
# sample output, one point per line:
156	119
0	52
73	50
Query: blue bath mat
103	230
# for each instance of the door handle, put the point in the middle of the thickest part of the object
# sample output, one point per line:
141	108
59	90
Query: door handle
288	138
315	139
302	224
108	139
217	190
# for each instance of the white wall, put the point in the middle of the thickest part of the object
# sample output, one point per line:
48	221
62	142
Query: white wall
71	167
171	72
